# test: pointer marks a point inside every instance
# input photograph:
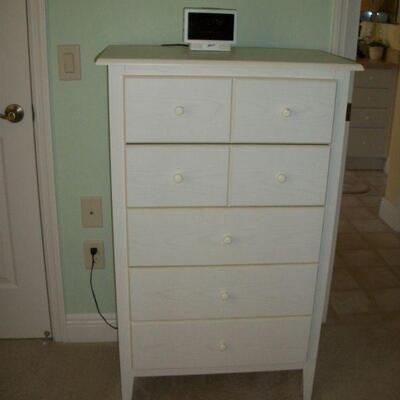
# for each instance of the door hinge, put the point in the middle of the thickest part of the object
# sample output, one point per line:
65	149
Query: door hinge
348	112
33	114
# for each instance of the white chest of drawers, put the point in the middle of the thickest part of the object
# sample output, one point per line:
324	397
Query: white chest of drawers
226	176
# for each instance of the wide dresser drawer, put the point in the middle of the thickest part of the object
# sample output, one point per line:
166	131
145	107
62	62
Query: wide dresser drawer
177	110
283	110
176	175
224	236
176	293
161	347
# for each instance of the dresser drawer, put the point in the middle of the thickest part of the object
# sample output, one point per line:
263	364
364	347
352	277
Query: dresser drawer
212	236
176	175
283	111
369	118
375	78
278	175
372	98
221	292
177	110
162	346
367	142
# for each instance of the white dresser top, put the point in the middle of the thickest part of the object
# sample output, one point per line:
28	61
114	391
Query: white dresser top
251	56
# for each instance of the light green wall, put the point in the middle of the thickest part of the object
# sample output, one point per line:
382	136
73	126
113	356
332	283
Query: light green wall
79	108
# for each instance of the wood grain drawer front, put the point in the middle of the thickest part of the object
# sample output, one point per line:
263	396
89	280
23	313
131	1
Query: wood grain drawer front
177	110
278	175
369	118
221	292
177	175
212	236
374	78
205	344
283	111
372	98
367	142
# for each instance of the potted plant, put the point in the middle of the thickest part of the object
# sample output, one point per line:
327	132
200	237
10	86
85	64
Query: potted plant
376	49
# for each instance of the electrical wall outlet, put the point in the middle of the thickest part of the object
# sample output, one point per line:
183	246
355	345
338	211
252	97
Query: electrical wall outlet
91	212
99	261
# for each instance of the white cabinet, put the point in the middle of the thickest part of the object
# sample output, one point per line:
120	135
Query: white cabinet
226	174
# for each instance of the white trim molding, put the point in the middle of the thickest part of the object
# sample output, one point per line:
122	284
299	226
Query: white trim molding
344	25
84	328
390	214
337	31
45	168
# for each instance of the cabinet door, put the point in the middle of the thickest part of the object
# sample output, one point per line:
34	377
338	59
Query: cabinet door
283	110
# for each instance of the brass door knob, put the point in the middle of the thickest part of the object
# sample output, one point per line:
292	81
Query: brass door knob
13	113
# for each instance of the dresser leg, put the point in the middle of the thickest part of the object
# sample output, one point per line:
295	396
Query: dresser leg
127	382
308	382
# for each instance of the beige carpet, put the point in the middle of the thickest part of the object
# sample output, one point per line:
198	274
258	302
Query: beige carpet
357	362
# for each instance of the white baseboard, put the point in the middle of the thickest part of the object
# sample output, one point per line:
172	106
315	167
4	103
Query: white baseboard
90	328
390	214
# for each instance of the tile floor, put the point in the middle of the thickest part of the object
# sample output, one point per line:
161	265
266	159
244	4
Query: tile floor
366	277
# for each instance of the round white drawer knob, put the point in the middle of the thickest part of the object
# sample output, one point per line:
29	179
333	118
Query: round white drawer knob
222	346
180	110
281	178
178	178
224	295
287	112
228	239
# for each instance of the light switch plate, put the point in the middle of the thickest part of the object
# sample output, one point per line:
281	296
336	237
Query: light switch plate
69	62
99	262
91	212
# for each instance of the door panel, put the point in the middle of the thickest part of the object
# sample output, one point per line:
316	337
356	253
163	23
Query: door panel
24	310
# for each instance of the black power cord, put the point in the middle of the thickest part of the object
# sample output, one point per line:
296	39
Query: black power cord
93	252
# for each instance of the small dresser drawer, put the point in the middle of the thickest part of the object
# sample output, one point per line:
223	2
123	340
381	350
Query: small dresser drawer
374	78
372	98
176	175
177	110
224	236
175	293
283	111
274	175
369	118
365	142
159	348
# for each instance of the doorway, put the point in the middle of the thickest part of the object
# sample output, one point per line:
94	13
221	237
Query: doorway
366	276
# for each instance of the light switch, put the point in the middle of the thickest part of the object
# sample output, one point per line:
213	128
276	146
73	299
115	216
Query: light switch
69	62
91	212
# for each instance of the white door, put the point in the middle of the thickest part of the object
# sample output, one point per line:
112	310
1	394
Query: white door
24	310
